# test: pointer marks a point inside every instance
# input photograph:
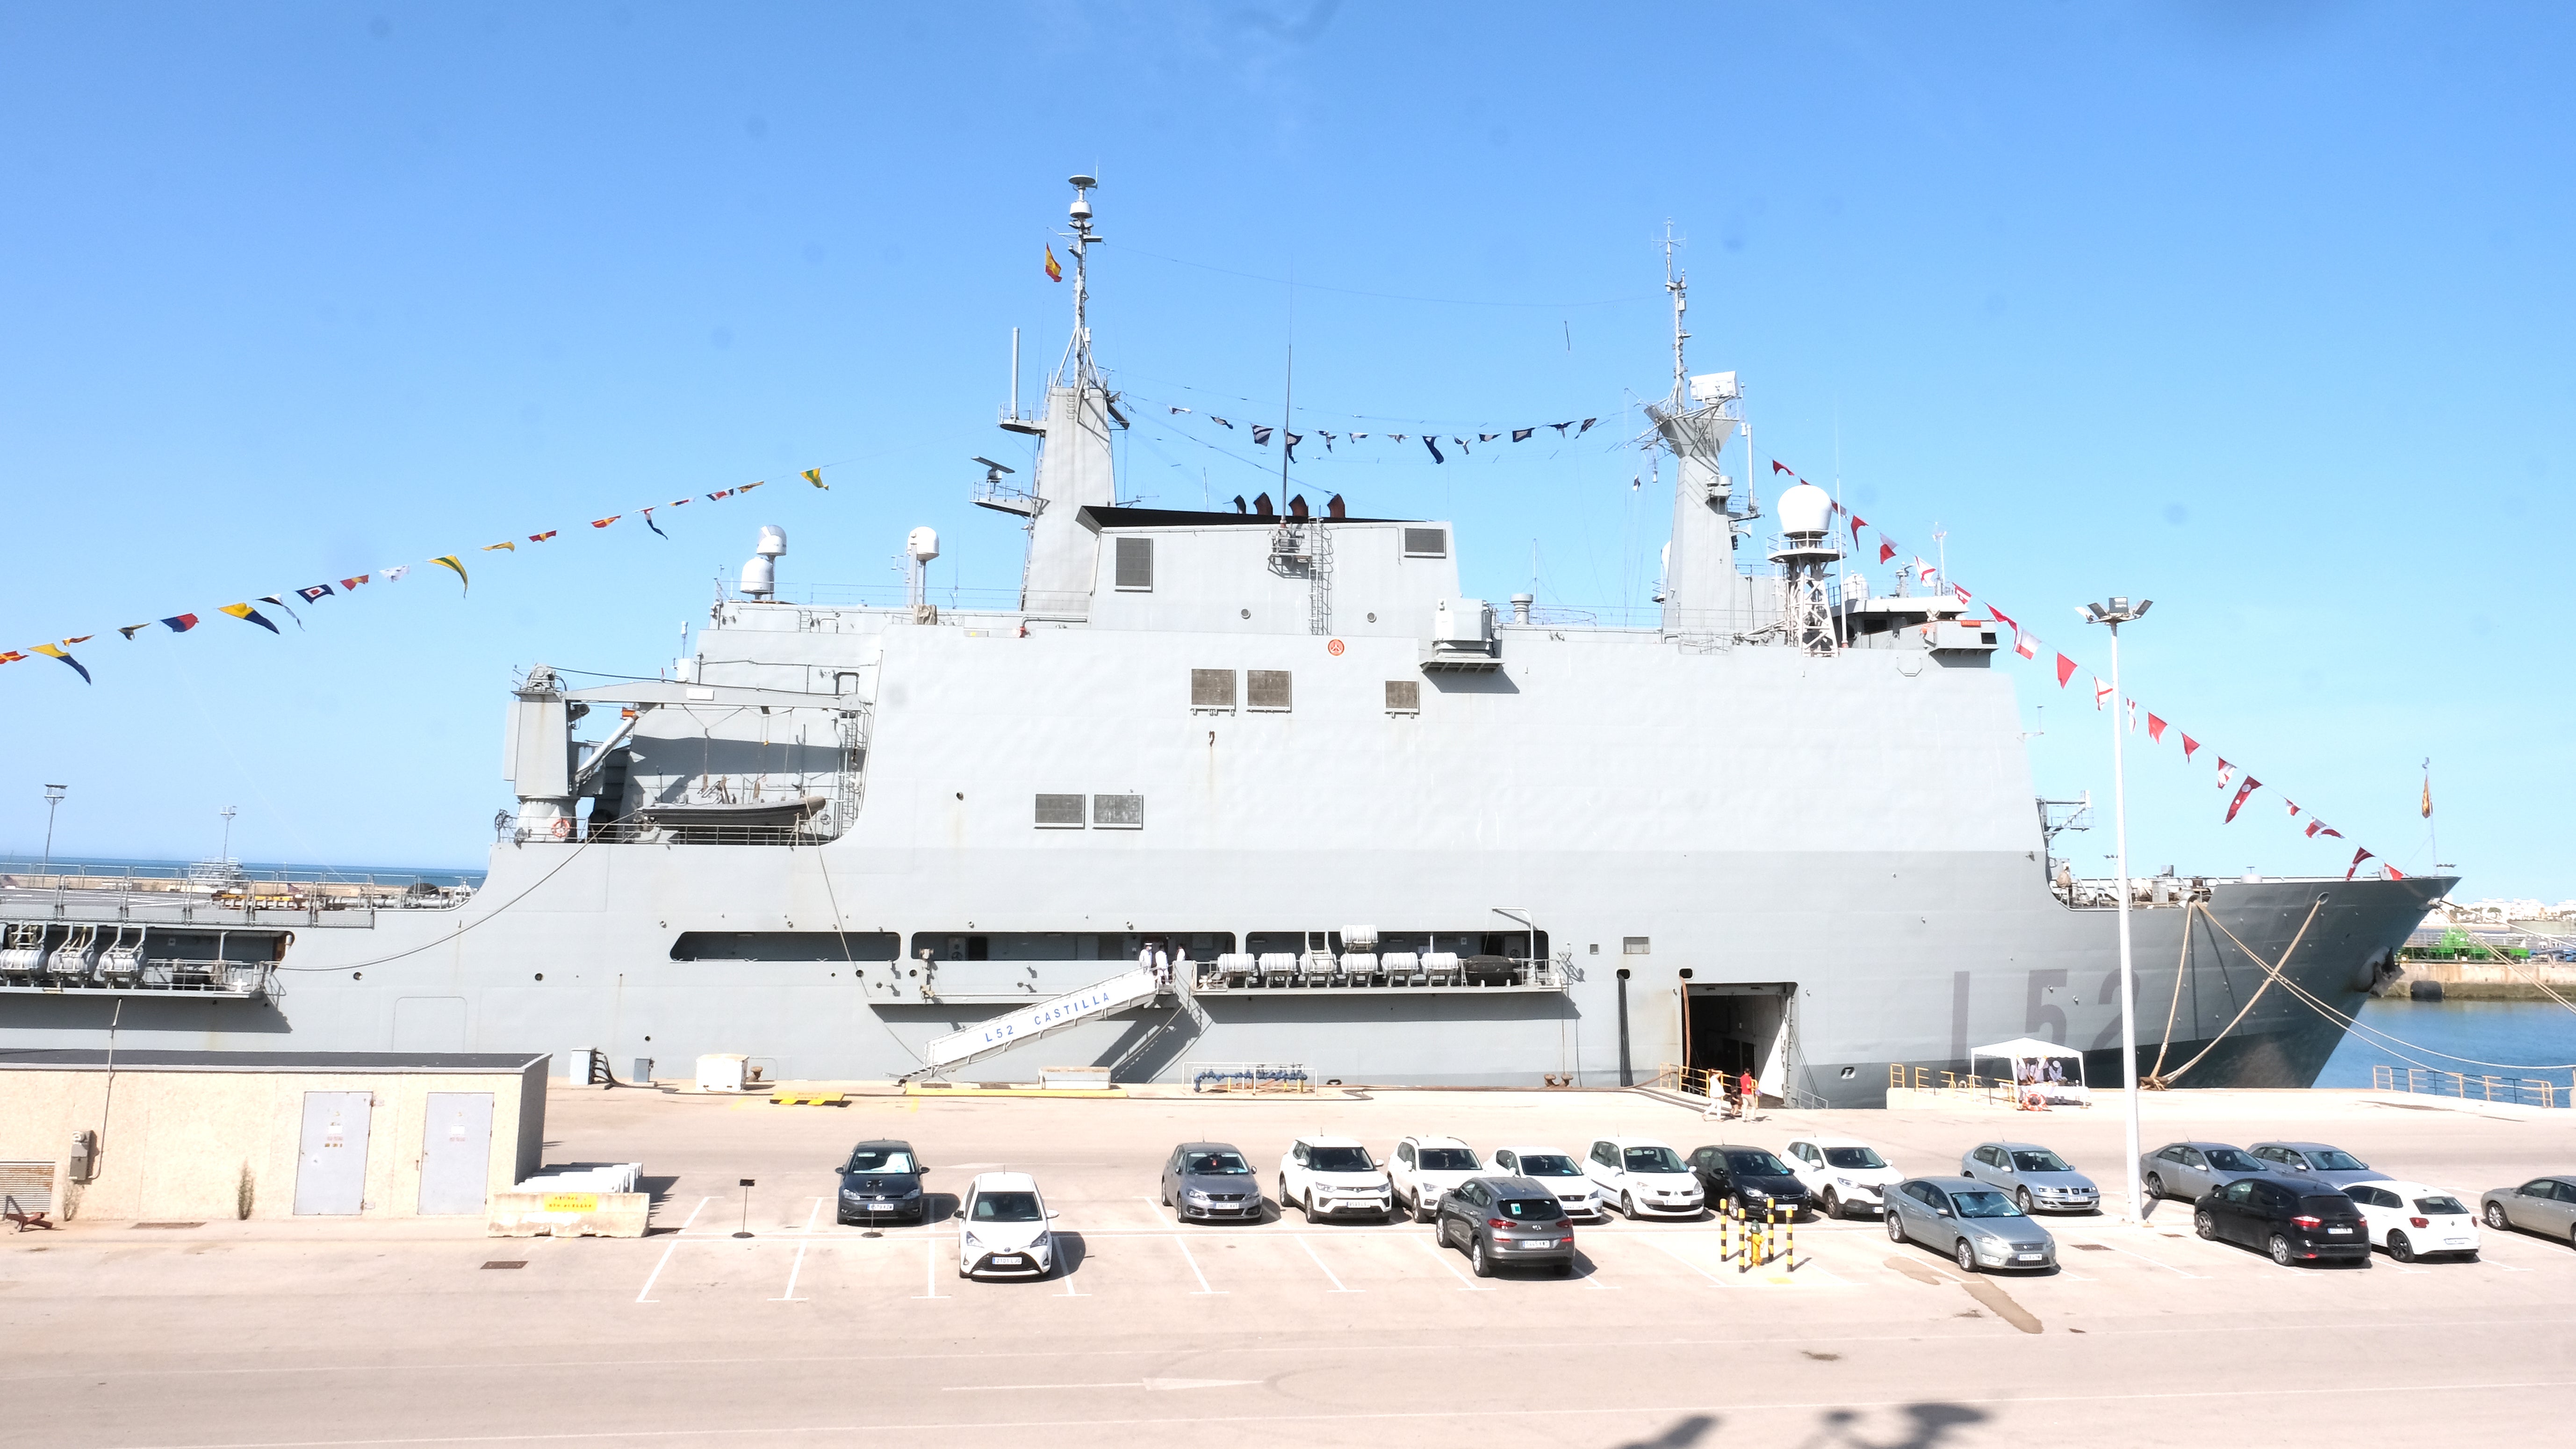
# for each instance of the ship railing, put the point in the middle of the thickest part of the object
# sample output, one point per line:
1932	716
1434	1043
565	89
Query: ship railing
154	976
1320	971
1259	1077
185	895
2511	1091
509	830
2145	892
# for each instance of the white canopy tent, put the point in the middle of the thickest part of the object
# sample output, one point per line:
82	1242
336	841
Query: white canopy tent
2028	1056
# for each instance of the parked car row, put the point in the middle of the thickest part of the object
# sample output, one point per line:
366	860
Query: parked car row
2295	1201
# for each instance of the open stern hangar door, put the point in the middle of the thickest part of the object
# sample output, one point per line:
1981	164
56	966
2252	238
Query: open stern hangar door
1741	1026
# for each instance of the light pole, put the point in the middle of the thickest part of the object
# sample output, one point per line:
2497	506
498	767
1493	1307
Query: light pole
53	799
228	812
2116	613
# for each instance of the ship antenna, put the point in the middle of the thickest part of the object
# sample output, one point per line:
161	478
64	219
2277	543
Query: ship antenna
1077	357
1677	283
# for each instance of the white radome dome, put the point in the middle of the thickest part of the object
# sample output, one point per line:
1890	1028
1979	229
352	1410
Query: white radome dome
1805	509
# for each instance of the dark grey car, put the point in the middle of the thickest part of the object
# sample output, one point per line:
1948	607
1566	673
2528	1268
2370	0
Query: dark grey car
1975	1224
2188	1169
2316	1160
1506	1222
882	1179
1211	1182
2038	1179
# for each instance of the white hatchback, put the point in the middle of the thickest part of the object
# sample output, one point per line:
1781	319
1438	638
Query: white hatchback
1644	1177
1841	1174
2412	1220
1558	1171
1002	1228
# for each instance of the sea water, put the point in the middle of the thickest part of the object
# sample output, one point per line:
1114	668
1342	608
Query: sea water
2510	1040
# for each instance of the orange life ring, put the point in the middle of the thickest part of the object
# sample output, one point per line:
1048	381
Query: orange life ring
2034	1102
562	828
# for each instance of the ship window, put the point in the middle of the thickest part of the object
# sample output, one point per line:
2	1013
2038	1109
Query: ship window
1071	945
784	946
1211	689
1136	564
1059	812
1635	946
1267	688
1426	543
1404	696
1118	812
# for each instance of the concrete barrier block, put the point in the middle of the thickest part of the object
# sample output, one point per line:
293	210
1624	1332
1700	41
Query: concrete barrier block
568	1214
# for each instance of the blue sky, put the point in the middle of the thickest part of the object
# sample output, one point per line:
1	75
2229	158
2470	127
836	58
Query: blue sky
2258	310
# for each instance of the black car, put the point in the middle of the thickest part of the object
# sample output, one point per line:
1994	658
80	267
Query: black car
1751	1176
882	1180
2294	1219
1505	1222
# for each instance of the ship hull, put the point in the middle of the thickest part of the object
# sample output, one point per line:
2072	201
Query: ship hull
571	946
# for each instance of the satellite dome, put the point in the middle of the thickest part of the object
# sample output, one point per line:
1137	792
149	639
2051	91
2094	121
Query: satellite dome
1805	509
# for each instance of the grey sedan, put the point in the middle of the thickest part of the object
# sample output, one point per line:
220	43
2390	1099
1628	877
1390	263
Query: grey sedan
2316	1160
2036	1177
2544	1205
1211	1182
1975	1224
2188	1169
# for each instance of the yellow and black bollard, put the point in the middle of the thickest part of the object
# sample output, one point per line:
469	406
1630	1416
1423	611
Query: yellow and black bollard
1789	1240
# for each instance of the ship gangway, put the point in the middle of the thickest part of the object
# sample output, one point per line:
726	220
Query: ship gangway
1039	1019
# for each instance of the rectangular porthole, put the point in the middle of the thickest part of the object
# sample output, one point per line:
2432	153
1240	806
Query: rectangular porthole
1404	696
1060	812
1634	946
1426	543
1136	565
1118	812
1212	689
1268	689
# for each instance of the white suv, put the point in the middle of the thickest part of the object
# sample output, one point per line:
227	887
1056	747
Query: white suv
1842	1174
1427	1168
1560	1172
1644	1177
1333	1177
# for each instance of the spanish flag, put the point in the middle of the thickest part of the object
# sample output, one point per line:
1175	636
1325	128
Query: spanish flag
1054	273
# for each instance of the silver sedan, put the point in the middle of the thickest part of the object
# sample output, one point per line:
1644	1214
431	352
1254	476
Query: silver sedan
2188	1169
2036	1177
1975	1224
2544	1205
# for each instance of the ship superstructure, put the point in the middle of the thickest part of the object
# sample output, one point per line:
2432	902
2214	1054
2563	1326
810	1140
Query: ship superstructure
1263	789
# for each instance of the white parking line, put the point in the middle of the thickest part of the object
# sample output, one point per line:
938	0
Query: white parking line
656	1274
1465	1283
2143	1258
1713	1280
929	1271
1194	1270
792	1270
1319	1262
693	1213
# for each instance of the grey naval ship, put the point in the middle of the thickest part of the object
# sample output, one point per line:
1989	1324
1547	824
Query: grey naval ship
1258	792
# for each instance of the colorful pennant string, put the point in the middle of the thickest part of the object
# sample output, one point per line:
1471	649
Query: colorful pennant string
313	593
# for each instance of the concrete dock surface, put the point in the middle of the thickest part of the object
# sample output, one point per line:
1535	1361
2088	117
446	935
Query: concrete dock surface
425	1332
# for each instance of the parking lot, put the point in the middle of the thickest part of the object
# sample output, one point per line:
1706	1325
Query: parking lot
321	1332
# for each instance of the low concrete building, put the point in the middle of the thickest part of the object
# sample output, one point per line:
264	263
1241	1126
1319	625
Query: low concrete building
196	1135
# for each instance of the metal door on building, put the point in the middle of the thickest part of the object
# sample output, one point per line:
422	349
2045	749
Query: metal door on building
331	1173
455	1153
